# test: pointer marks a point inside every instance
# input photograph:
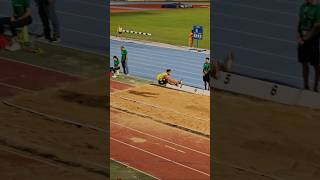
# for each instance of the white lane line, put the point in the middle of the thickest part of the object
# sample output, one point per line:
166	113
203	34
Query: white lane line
257	8
288	59
16	87
164	140
254	20
175	149
255	35
161	157
166	109
30	157
105	6
125	164
43	68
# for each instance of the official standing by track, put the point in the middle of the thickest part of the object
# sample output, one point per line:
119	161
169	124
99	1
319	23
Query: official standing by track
48	15
124	60
206	73
308	45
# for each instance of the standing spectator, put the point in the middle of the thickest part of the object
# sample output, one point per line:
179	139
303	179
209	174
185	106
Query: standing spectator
190	39
47	13
124	59
308	41
21	17
206	73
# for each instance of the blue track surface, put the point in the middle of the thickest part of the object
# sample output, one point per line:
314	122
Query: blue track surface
262	35
147	61
83	23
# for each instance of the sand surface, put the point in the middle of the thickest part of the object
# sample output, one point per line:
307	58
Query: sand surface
165	105
264	138
79	152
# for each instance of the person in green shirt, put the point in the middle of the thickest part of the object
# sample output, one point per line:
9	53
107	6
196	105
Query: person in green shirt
206	73
21	17
308	40
124	60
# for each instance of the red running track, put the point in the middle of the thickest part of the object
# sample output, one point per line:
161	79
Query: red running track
161	151
17	76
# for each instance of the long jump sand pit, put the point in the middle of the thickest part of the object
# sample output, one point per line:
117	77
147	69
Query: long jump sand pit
265	140
184	110
32	124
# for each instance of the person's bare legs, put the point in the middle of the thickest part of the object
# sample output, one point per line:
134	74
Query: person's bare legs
305	71
316	78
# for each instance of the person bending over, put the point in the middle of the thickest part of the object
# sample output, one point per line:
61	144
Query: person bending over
165	78
116	67
21	17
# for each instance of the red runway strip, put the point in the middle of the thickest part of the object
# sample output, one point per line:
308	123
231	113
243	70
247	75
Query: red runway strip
161	156
31	77
6	91
119	86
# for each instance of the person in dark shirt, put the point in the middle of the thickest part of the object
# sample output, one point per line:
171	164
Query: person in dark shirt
21	17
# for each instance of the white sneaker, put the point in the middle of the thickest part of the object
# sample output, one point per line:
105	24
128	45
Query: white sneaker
15	46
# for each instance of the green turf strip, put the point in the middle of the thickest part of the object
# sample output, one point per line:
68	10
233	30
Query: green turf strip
62	59
118	171
166	26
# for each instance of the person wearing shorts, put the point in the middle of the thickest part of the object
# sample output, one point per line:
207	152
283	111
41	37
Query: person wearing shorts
165	78
21	17
308	48
206	73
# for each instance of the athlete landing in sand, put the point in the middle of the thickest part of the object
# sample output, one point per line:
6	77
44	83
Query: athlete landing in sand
164	78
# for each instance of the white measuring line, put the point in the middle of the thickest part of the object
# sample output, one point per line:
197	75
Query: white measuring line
161	157
175	149
44	68
125	164
50	117
30	157
154	106
161	139
163	123
16	87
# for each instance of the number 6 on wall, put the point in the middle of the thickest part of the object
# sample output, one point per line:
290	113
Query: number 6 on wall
227	79
274	90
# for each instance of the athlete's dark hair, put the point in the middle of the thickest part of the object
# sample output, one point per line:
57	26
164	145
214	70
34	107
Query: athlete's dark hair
207	58
168	70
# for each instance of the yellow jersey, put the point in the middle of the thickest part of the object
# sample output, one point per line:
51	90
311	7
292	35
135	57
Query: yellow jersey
161	76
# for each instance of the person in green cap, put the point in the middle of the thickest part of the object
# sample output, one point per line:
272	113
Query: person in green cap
116	67
206	73
21	17
124	60
308	40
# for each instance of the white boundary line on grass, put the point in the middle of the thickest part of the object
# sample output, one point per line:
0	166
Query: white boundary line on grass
161	157
125	164
156	137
